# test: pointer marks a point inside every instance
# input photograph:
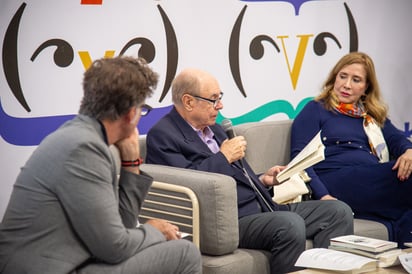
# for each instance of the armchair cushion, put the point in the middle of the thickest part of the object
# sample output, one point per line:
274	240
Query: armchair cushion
268	143
240	261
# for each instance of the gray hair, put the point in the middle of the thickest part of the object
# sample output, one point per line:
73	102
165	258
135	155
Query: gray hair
185	82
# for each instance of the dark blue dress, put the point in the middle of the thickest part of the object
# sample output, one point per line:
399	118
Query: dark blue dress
351	173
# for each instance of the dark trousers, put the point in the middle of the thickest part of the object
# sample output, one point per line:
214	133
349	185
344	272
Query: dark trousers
284	233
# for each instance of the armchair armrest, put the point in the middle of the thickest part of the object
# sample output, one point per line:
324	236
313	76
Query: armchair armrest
176	204
216	194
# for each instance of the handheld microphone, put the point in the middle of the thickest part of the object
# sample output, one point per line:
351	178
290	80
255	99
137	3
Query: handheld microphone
228	128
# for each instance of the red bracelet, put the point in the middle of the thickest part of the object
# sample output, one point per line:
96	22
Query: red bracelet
132	163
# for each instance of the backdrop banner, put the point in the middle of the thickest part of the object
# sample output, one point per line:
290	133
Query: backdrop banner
270	57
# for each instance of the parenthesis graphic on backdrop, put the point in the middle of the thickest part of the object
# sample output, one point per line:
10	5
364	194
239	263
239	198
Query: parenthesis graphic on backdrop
63	56
10	62
353	32
234	52
172	52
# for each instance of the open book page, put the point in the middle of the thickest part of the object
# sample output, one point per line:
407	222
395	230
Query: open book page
374	255
310	155
328	259
386	258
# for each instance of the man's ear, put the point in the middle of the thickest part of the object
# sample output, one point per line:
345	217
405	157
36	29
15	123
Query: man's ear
187	102
130	116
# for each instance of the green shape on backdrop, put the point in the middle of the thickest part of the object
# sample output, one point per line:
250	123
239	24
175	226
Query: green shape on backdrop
266	110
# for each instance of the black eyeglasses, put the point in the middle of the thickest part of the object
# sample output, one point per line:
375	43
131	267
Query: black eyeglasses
213	101
145	109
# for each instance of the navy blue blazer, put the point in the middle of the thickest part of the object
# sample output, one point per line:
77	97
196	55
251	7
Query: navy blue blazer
173	142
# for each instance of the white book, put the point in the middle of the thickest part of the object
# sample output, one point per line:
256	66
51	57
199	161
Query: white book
363	243
336	261
385	258
313	153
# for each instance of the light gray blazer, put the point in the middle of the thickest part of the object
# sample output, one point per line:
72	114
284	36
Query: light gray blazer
67	206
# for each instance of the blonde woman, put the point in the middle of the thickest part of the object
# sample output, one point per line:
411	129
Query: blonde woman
368	162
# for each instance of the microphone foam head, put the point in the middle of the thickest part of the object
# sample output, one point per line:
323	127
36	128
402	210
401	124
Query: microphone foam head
226	124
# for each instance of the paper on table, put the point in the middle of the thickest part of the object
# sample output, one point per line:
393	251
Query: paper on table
184	234
406	261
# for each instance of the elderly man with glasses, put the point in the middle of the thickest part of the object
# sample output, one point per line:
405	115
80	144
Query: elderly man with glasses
188	137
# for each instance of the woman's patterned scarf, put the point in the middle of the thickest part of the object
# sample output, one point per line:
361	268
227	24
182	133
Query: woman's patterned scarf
372	130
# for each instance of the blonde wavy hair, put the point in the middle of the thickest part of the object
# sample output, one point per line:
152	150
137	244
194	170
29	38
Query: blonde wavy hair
372	100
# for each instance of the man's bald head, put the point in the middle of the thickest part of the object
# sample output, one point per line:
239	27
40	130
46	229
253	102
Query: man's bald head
196	96
191	81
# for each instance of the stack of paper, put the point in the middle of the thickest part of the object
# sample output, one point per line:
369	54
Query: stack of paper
363	243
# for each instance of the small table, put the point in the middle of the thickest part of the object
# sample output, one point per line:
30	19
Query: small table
398	269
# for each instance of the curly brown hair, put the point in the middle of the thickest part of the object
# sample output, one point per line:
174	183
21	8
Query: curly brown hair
113	85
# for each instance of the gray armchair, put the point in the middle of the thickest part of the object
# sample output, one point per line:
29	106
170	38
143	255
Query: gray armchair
218	224
209	212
